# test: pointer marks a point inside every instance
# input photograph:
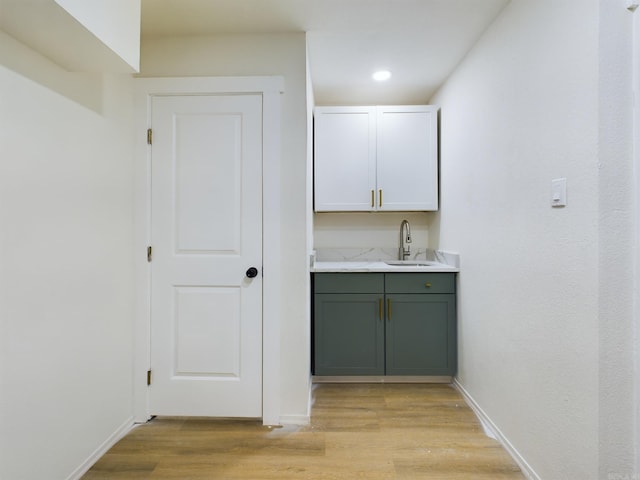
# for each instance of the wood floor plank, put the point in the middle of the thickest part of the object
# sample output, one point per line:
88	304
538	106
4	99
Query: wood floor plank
272	468
357	431
114	466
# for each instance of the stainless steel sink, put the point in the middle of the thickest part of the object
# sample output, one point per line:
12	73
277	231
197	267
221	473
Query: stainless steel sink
410	263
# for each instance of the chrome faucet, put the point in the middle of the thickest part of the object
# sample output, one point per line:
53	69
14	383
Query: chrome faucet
405	239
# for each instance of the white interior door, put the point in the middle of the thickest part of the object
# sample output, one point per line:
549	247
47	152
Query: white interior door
206	232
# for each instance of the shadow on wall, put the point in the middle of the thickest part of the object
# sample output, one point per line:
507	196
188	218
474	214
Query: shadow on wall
433	224
85	89
434	231
434	219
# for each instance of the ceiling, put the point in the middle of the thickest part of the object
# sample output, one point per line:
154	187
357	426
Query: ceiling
419	41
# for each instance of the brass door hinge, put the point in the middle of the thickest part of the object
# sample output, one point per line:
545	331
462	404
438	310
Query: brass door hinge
149	136
149	253
148	377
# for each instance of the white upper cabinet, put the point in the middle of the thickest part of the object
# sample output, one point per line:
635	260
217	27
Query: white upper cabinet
407	158
344	158
376	158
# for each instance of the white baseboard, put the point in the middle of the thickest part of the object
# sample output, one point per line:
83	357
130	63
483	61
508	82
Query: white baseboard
295	419
125	428
301	420
494	432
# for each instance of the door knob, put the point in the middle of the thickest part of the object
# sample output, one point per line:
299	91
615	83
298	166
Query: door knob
252	272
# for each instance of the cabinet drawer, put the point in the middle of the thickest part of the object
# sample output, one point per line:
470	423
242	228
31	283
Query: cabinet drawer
348	283
420	283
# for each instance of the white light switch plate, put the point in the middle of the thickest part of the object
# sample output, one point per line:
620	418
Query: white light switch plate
559	192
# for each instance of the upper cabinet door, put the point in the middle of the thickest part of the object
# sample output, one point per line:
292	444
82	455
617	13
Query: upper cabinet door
376	158
345	158
407	158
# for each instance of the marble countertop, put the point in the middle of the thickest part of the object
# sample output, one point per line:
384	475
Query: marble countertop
381	266
377	259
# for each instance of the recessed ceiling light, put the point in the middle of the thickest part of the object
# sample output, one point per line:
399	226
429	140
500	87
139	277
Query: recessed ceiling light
382	75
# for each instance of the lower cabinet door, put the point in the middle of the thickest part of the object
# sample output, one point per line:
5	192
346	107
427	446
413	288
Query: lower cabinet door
349	334
420	334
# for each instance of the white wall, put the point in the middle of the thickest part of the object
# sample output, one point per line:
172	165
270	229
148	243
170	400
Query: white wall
309	200
116	23
616	244
65	268
379	229
309	182
545	294
284	55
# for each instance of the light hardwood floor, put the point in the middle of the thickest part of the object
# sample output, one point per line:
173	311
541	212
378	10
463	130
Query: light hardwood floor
357	431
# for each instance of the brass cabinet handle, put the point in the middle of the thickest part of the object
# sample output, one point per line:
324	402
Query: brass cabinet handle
380	197
380	309
389	309
428	285
373	198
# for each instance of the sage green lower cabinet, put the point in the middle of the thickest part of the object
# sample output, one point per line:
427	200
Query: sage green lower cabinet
418	336
349	328
350	338
384	324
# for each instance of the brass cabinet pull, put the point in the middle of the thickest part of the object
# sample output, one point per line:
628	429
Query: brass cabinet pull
428	285
389	309
380	197
373	198
380	309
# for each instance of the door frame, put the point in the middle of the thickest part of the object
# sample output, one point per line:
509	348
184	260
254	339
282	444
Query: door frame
635	87
270	88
